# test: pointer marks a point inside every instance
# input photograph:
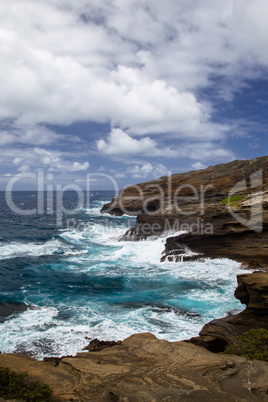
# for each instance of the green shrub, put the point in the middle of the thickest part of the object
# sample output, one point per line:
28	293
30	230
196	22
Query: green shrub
233	200
19	386
252	344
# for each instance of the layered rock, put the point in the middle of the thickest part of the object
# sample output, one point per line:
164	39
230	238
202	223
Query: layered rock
144	368
252	290
184	191
196	202
247	246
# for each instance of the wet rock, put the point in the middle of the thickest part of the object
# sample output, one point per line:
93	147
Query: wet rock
10	308
247	246
96	345
252	290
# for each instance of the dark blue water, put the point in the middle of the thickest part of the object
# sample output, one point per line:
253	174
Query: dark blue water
65	276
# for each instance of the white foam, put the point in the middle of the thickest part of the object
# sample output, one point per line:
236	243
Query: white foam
12	250
42	333
210	292
94	233
93	211
208	270
26	326
148	251
147	254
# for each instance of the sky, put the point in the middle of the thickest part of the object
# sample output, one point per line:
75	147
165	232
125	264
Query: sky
127	91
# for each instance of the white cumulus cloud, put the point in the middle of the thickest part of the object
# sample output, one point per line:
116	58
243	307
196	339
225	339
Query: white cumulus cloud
146	169
138	66
121	143
135	64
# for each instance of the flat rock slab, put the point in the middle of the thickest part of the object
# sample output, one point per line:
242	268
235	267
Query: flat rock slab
146	369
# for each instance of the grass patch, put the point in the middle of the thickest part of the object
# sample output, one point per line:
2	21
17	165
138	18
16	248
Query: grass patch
19	386
208	177
258	163
252	345
233	200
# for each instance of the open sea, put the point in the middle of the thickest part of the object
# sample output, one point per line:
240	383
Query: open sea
65	276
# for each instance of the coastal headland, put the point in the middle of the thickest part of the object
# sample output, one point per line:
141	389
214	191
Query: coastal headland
221	211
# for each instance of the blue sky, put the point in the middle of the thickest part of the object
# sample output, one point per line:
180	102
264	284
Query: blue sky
129	89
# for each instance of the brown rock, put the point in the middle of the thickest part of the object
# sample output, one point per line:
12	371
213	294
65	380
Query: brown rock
96	345
252	290
248	246
192	202
146	369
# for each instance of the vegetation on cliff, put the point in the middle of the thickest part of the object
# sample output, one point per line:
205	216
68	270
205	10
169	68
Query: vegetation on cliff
252	345
233	200
19	385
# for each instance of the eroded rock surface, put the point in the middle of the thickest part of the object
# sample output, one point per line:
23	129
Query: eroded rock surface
196	202
252	290
247	246
144	368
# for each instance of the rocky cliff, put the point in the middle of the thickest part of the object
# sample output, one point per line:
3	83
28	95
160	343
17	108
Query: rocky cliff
252	291
223	209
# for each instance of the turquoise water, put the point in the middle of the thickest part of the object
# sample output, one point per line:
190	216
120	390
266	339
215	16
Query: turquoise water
59	285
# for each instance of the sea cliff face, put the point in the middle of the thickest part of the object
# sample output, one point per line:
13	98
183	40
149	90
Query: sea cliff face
223	211
252	291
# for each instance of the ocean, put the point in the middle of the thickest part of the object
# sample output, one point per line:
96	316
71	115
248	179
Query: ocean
65	277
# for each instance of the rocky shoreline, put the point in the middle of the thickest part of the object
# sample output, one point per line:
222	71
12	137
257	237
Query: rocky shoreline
144	368
223	211
252	291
